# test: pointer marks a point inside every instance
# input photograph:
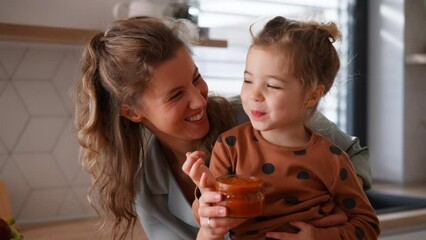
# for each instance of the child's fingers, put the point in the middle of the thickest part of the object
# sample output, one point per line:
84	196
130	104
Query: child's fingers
197	168
191	159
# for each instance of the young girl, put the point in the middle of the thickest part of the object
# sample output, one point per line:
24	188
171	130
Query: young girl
290	66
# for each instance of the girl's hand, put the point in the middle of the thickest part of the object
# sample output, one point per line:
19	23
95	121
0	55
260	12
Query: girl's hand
194	167
333	216
305	233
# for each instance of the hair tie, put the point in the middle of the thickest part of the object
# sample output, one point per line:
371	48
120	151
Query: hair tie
106	32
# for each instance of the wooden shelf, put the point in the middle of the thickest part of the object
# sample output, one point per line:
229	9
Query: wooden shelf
416	59
31	33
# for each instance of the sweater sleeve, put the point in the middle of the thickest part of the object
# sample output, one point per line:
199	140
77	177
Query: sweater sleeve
358	155
350	197
220	162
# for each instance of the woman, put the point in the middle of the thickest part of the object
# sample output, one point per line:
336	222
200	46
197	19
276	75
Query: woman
141	104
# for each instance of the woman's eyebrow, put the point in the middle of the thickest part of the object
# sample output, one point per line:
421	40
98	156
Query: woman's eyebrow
195	74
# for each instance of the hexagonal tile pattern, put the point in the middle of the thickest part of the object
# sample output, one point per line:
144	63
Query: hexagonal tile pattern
41	134
13	118
39	63
10	56
35	165
3	84
16	185
3	74
66	76
66	152
40	97
3	159
81	194
82	178
38	147
3	149
43	204
71	206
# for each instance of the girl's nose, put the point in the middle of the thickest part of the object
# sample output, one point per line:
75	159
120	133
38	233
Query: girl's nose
257	95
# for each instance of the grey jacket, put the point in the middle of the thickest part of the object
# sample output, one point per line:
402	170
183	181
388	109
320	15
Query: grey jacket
166	214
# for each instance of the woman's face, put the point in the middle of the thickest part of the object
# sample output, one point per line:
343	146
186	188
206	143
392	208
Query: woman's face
174	105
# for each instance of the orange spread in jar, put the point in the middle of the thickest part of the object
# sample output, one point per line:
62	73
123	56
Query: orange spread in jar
244	195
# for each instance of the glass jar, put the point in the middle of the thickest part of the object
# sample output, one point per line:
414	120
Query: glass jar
244	195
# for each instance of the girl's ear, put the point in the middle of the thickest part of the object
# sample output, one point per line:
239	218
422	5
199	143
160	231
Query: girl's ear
129	113
315	96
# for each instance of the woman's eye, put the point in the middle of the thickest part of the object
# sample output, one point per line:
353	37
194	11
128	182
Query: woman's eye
197	78
175	96
247	81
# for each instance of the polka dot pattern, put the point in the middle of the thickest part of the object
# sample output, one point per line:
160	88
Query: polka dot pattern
349	203
252	232
335	150
303	175
359	233
300	152
291	200
261	218
268	168
231	140
343	174
374	225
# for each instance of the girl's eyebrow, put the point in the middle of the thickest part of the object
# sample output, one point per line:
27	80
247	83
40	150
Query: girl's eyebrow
269	76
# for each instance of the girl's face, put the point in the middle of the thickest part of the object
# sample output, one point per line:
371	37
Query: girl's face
174	105
272	99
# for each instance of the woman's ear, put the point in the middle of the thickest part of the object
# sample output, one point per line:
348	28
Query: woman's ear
129	113
315	95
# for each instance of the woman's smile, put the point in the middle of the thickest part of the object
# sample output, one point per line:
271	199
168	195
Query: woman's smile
198	118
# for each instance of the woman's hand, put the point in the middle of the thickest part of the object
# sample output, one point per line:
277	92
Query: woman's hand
305	232
333	216
212	218
213	221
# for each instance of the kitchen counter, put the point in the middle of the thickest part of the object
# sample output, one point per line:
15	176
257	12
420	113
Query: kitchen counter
389	222
402	219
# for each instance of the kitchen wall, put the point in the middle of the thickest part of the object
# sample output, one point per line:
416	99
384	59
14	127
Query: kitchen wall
38	147
396	98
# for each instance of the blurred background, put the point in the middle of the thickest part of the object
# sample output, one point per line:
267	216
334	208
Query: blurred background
379	96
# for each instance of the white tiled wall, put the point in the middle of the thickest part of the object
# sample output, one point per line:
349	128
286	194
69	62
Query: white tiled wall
38	146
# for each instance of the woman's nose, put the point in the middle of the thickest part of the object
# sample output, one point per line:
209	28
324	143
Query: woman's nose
198	99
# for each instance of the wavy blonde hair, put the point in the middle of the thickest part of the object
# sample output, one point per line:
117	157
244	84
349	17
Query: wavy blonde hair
117	67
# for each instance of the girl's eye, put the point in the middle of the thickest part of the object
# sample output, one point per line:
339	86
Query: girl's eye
273	86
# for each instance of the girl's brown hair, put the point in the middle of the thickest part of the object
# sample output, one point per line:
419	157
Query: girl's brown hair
306	48
117	67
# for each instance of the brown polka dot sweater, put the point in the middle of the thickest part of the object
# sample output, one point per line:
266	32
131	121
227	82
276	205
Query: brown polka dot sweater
297	180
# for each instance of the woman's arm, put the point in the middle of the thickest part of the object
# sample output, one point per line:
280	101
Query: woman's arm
153	228
357	154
